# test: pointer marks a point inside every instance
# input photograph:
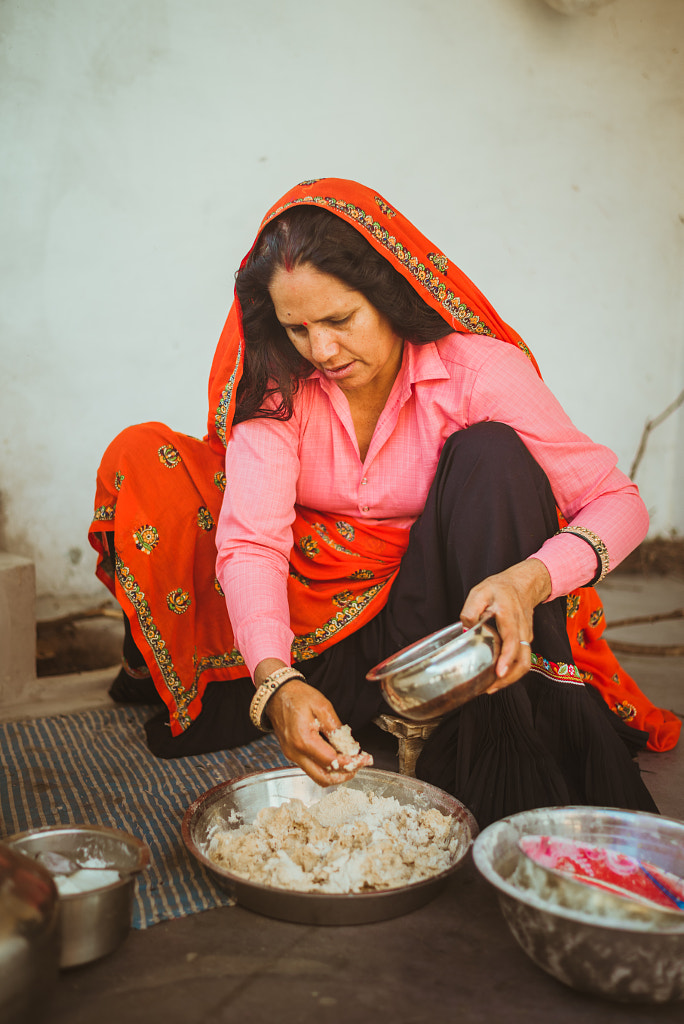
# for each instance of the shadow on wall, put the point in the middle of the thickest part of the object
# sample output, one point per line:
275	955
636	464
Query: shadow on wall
3	523
577	6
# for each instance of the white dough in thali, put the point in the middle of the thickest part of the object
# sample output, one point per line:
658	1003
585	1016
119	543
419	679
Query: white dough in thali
349	841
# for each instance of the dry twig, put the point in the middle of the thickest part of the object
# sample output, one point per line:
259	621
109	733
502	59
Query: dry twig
661	650
639	620
650	426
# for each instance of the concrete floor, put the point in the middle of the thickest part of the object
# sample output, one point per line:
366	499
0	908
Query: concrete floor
454	959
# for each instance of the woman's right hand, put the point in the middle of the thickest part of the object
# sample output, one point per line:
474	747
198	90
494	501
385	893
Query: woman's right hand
299	713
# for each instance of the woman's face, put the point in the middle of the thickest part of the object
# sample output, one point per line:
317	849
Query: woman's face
337	330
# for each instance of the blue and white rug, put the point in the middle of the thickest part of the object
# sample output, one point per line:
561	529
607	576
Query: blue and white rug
94	768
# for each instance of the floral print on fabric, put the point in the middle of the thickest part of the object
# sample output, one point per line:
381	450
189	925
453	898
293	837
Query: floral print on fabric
178	601
625	710
169	456
205	520
332	589
324	534
439	261
118	480
220	481
385	207
104	514
309	546
573	603
345	530
146	538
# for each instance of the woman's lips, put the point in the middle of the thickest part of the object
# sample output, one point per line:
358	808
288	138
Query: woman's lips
338	372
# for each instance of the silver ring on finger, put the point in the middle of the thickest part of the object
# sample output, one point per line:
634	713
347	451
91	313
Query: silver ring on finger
526	643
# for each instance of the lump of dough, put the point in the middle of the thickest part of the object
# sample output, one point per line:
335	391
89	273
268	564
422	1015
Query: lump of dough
344	743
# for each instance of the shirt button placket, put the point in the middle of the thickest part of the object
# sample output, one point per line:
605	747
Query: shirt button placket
364	508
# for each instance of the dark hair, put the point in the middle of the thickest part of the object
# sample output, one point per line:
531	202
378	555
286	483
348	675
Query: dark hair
308	235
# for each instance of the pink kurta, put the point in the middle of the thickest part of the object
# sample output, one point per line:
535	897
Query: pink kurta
312	460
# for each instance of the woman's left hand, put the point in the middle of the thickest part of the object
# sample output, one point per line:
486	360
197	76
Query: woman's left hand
511	596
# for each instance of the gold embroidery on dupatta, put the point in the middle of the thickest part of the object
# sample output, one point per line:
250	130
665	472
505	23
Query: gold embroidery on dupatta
225	400
303	647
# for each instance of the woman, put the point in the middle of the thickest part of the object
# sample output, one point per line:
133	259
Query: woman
392	462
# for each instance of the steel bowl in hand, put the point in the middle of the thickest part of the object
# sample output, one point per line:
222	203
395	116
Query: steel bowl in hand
441	671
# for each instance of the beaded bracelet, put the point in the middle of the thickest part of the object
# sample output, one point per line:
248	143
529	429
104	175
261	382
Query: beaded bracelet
265	692
598	547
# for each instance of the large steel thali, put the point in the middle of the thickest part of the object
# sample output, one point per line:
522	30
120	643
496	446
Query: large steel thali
245	796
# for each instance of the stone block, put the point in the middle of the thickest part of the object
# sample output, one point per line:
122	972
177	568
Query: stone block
17	626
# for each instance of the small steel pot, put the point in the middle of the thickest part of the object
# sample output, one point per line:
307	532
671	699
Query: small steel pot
441	671
92	923
29	937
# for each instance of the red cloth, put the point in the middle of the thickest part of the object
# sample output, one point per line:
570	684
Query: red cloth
160	492
600	668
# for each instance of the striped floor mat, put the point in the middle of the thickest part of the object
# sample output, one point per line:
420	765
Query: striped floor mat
95	768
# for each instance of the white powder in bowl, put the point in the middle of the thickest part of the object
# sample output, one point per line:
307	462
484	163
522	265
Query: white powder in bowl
85	880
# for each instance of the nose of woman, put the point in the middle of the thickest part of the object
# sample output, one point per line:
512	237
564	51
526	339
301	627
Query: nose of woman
323	344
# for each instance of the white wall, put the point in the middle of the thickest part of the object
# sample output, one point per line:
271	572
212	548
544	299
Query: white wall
144	140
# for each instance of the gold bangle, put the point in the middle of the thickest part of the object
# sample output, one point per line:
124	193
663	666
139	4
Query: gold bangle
265	692
598	547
